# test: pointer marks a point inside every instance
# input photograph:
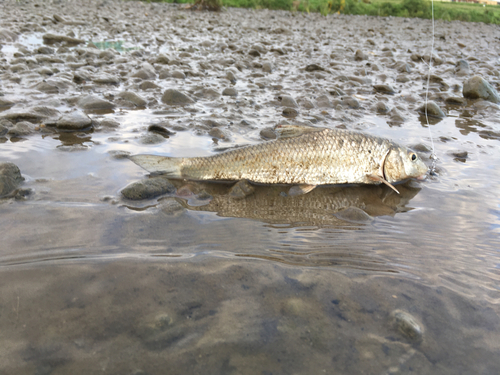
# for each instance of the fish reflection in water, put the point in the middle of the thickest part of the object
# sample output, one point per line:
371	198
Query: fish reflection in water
325	206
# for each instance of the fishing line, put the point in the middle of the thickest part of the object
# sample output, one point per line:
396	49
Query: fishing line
433	154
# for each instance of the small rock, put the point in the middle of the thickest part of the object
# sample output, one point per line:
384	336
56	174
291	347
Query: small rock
133	97
147	85
91	102
432	110
478	88
381	107
52	38
354	215
119	154
4	103
44	50
287	101
359	55
146	72
109	123
230	77
241	190
290	112
267	67
178	74
313	68
21	128
351	102
230	91
158	129
10	178
148	188
268	133
174	97
324	102
455	100
152	139
106	79
462	68
171	206
407	325
218	133
75	120
385	89
459	155
254	53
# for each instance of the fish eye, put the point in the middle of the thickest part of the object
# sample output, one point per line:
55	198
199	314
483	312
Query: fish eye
413	157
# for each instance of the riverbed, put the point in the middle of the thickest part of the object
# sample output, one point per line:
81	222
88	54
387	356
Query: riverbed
343	280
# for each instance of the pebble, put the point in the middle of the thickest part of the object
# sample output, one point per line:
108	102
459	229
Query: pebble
21	128
290	112
229	91
10	178
351	102
381	107
268	133
109	123
407	325
360	55
241	190
152	139
462	68
432	110
313	68
386	89
288	101
455	100
75	120
171	206
148	188
133	98
267	67
156	128
91	102
175	97
52	38
478	88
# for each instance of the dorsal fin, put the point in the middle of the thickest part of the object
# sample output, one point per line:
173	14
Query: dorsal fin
290	131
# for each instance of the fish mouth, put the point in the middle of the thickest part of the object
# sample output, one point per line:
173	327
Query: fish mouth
421	177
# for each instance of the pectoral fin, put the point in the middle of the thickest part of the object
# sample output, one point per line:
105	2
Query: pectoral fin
300	190
383	180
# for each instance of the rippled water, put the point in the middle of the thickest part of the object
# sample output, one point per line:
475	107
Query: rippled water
197	282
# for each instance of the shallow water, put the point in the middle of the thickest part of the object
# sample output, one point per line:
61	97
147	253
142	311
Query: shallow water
197	282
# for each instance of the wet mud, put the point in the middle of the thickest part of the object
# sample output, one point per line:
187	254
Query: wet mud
105	269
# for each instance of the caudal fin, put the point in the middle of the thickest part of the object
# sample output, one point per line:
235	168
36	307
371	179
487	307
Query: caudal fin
159	164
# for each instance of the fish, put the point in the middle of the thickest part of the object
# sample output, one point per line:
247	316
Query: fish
302	156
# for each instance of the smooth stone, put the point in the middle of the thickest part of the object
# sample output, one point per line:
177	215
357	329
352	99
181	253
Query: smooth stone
459	154
241	190
175	97
385	89
33	114
268	133
75	120
10	178
44	50
119	154
455	100
46	87
171	206
407	325
21	128
178	74
132	97
324	102
478	88
158	129
6	103
290	112
462	68
402	79
147	85
91	102
381	107
106	79
146	72
229	91
313	68
432	110
152	139
351	102
208	93
109	123
267	67
148	188
7	35
230	77
52	38
360	55
288	101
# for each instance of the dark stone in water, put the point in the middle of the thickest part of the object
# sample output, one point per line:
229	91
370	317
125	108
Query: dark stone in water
10	178
290	112
385	89
175	97
313	68
160	130
76	120
432	110
148	188
407	325
478	88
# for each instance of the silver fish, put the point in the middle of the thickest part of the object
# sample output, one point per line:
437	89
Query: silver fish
304	157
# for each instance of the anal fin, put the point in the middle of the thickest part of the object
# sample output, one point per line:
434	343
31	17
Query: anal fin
300	189
383	180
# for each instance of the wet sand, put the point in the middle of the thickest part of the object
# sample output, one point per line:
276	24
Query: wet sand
346	279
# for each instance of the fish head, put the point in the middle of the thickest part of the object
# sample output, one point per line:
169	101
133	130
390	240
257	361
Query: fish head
402	163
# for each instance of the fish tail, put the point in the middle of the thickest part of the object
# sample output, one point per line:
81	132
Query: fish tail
159	164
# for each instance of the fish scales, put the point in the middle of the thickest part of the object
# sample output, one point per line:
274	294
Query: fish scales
329	156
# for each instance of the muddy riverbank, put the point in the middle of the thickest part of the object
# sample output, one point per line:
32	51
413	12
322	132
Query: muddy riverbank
346	279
